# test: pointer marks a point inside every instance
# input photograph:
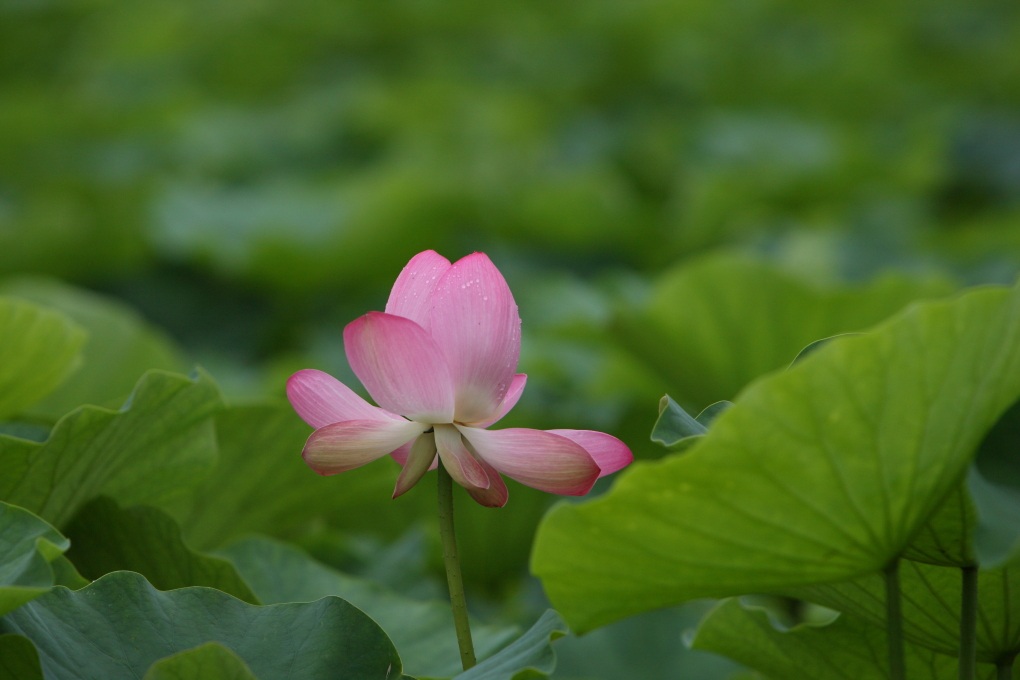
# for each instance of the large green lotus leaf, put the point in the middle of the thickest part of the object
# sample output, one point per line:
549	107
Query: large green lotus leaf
120	625
148	451
210	660
27	547
261	484
847	649
39	347
530	657
979	523
820	473
119	349
931	606
948	537
713	325
421	631
105	538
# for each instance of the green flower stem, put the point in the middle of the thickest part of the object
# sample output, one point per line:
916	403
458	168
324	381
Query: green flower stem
451	559
894	621
968	623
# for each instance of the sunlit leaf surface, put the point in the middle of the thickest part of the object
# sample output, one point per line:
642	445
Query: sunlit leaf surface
820	473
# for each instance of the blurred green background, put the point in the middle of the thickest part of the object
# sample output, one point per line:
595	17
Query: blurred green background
249	176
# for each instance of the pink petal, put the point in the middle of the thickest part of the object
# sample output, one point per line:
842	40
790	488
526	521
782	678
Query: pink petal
610	453
320	399
474	320
541	460
421	456
401	454
401	366
340	447
411	296
496	495
513	394
463	467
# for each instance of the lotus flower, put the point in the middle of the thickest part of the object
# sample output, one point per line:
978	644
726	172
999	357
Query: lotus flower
441	364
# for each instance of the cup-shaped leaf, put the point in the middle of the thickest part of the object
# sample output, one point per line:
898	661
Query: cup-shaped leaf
820	473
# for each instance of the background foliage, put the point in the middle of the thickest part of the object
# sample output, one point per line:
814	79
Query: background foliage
681	196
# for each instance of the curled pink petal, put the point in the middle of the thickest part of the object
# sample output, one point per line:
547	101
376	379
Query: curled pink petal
513	395
475	322
401	366
542	460
462	466
411	295
401	454
340	447
422	454
320	399
496	495
610	453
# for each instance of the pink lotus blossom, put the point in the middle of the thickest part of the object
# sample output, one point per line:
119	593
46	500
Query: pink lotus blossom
441	363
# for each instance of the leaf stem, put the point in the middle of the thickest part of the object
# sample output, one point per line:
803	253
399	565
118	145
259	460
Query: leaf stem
451	560
968	622
894	621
